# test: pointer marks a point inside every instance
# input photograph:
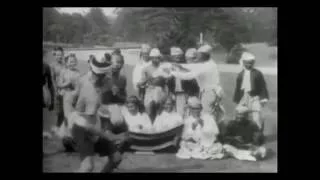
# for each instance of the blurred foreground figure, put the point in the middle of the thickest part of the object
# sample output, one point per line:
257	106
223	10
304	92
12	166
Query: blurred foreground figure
85	126
199	138
251	90
47	86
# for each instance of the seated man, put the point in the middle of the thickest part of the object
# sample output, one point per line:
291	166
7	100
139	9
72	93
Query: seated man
242	138
168	118
136	120
199	135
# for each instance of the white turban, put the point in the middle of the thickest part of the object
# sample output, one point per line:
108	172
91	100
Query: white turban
155	52
246	56
175	51
205	49
191	53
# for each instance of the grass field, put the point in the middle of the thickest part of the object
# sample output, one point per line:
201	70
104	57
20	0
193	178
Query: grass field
62	162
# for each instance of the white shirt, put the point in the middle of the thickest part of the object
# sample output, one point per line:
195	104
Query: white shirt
137	123
206	74
137	72
206	134
166	121
246	81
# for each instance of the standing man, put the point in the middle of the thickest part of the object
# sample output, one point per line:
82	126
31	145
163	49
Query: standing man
191	86
86	128
56	68
137	72
205	71
251	89
154	79
179	86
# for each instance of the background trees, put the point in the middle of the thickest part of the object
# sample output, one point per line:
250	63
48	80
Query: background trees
163	27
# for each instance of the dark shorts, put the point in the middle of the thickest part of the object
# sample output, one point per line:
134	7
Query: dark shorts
86	146
59	104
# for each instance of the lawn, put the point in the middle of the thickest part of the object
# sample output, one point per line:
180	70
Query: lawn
55	161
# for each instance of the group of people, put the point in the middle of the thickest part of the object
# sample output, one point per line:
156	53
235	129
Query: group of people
95	114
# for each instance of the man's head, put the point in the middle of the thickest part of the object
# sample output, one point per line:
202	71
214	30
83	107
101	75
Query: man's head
155	56
241	113
133	105
176	54
117	62
195	107
191	55
168	105
99	68
145	51
247	60
71	61
204	53
59	53
107	57
116	51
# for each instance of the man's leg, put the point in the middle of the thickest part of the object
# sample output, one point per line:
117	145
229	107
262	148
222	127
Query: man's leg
181	103
207	100
87	165
113	162
255	106
60	114
107	148
141	93
85	147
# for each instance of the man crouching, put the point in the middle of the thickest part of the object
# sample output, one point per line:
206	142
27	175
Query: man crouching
85	127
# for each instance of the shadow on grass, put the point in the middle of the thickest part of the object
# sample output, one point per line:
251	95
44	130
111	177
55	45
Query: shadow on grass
168	169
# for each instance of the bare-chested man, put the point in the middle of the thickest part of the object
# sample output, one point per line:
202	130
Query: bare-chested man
154	79
56	69
86	129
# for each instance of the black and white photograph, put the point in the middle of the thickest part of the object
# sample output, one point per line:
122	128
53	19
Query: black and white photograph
159	89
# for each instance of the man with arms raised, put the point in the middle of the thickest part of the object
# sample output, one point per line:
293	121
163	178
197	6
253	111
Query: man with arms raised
205	71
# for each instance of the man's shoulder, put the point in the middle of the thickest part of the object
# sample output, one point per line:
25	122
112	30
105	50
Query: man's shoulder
257	71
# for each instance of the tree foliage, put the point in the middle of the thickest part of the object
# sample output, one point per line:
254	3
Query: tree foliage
163	27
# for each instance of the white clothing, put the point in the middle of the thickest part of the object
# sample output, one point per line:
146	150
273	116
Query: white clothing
199	142
206	134
137	123
246	83
137	73
166	121
206	74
